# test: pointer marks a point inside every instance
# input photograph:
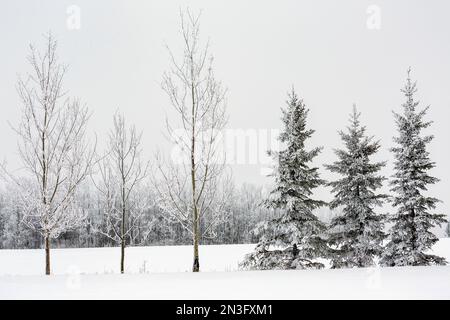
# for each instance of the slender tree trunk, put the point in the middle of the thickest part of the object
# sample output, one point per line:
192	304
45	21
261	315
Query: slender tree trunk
196	264
122	231
122	241
196	233
47	255
122	256
44	188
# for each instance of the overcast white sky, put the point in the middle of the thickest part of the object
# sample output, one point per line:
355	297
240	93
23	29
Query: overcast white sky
324	48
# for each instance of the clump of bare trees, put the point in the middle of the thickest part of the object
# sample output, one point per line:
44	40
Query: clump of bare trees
58	157
52	146
195	186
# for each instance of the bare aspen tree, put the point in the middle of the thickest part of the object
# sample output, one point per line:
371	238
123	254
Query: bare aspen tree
120	184
53	148
191	191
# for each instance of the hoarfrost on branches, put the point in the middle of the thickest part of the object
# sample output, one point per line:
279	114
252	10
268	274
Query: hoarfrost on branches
356	236
411	236
296	238
190	191
52	146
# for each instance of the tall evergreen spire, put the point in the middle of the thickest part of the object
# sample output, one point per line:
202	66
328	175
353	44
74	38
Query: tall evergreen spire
356	236
411	237
293	240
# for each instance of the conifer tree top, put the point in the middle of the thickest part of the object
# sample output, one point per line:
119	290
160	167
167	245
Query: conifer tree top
294	177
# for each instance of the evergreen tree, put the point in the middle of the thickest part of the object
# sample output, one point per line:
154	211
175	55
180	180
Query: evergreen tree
356	236
411	236
292	240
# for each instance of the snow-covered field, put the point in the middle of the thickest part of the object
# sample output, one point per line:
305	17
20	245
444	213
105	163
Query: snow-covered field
163	273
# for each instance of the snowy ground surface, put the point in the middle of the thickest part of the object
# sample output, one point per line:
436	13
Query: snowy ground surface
163	273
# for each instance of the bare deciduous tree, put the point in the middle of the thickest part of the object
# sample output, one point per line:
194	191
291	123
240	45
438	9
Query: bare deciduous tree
121	173
52	146
189	191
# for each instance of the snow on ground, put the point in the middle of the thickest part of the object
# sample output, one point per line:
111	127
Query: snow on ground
87	274
376	283
137	259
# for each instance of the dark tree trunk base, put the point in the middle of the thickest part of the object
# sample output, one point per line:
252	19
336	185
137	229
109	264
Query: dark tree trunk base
122	258
47	256
196	266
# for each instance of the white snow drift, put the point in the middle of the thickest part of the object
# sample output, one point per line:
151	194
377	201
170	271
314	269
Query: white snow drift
162	273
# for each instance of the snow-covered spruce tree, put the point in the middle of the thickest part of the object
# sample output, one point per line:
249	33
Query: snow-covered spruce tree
410	236
294	239
356	236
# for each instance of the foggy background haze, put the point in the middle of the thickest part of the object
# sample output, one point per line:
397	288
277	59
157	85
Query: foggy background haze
325	49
